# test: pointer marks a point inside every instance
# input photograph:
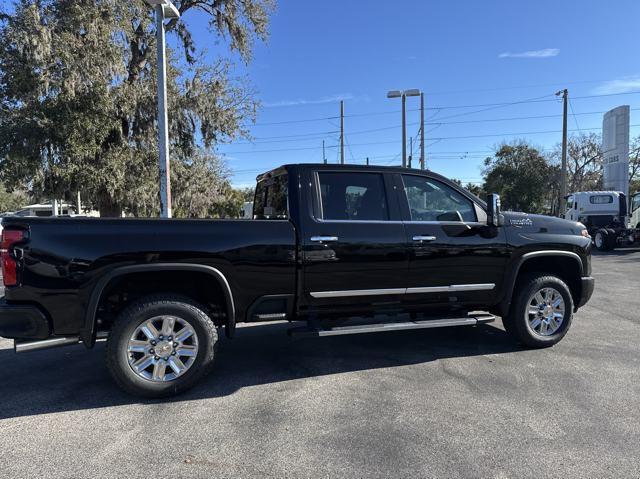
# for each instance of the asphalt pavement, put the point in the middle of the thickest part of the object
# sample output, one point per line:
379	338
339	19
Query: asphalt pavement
458	402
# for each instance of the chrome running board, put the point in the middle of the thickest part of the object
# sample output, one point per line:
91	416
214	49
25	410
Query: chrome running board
470	320
28	346
25	347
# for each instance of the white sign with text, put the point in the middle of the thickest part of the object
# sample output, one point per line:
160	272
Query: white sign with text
615	149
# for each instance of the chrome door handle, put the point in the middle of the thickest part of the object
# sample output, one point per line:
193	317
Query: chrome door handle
424	238
324	239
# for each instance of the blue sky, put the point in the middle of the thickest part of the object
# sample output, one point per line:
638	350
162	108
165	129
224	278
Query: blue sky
457	52
469	57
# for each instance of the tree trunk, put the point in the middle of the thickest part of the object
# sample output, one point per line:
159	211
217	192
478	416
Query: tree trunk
109	209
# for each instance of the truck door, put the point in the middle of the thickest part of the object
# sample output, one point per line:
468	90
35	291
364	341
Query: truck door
353	240
635	211
455	260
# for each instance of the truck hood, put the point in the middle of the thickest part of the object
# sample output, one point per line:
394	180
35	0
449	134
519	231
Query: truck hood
542	223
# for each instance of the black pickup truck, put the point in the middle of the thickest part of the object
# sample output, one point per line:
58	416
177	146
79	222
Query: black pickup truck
395	248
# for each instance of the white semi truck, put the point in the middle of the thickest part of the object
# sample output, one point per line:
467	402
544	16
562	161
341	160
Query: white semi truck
610	220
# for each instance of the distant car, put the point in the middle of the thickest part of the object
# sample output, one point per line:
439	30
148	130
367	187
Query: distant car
43	210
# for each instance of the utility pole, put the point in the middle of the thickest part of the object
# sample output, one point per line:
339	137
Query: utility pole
410	150
342	132
563	174
324	158
422	159
367	161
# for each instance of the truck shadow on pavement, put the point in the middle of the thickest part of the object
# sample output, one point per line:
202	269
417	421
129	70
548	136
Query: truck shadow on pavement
74	378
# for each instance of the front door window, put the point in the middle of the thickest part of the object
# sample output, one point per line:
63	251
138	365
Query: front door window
430	200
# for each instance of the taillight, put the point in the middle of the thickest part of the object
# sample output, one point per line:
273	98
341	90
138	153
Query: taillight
9	264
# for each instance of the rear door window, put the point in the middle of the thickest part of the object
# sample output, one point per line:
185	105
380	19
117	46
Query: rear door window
353	196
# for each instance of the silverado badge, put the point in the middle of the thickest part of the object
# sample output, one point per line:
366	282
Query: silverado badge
521	222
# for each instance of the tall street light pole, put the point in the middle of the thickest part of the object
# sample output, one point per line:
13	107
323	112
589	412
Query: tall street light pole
404	130
403	95
342	132
422	158
164	10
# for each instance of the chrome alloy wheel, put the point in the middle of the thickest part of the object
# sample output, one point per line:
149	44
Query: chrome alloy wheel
162	348
545	312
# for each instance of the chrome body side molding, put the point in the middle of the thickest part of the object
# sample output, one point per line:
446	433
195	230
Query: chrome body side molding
452	288
357	292
379	292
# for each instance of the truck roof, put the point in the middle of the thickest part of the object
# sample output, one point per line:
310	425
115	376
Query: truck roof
597	193
334	166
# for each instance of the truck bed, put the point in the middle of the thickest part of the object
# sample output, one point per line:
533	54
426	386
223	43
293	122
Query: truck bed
64	258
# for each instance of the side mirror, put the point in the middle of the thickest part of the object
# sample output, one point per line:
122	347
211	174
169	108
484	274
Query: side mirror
493	210
623	205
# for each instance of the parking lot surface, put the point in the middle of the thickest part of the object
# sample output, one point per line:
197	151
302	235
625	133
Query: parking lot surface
458	402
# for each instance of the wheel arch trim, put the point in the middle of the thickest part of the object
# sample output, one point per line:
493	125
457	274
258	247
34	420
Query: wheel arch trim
88	332
505	304
536	254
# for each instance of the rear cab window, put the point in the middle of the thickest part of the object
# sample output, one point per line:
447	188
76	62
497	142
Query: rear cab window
271	201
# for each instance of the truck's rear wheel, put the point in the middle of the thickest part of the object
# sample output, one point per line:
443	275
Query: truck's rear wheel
613	238
602	240
541	311
161	345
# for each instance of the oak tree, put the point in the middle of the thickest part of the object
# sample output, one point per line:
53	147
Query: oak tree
78	99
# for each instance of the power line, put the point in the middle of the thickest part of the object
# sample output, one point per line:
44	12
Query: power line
533	100
437	138
288	122
346	140
291	136
533	117
577	82
573	114
488	108
444	107
438	123
322	134
317	136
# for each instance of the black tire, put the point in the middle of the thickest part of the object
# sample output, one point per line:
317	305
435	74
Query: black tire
612	239
142	310
601	240
518	324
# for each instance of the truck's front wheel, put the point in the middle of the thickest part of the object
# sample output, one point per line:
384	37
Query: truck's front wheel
541	311
161	345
